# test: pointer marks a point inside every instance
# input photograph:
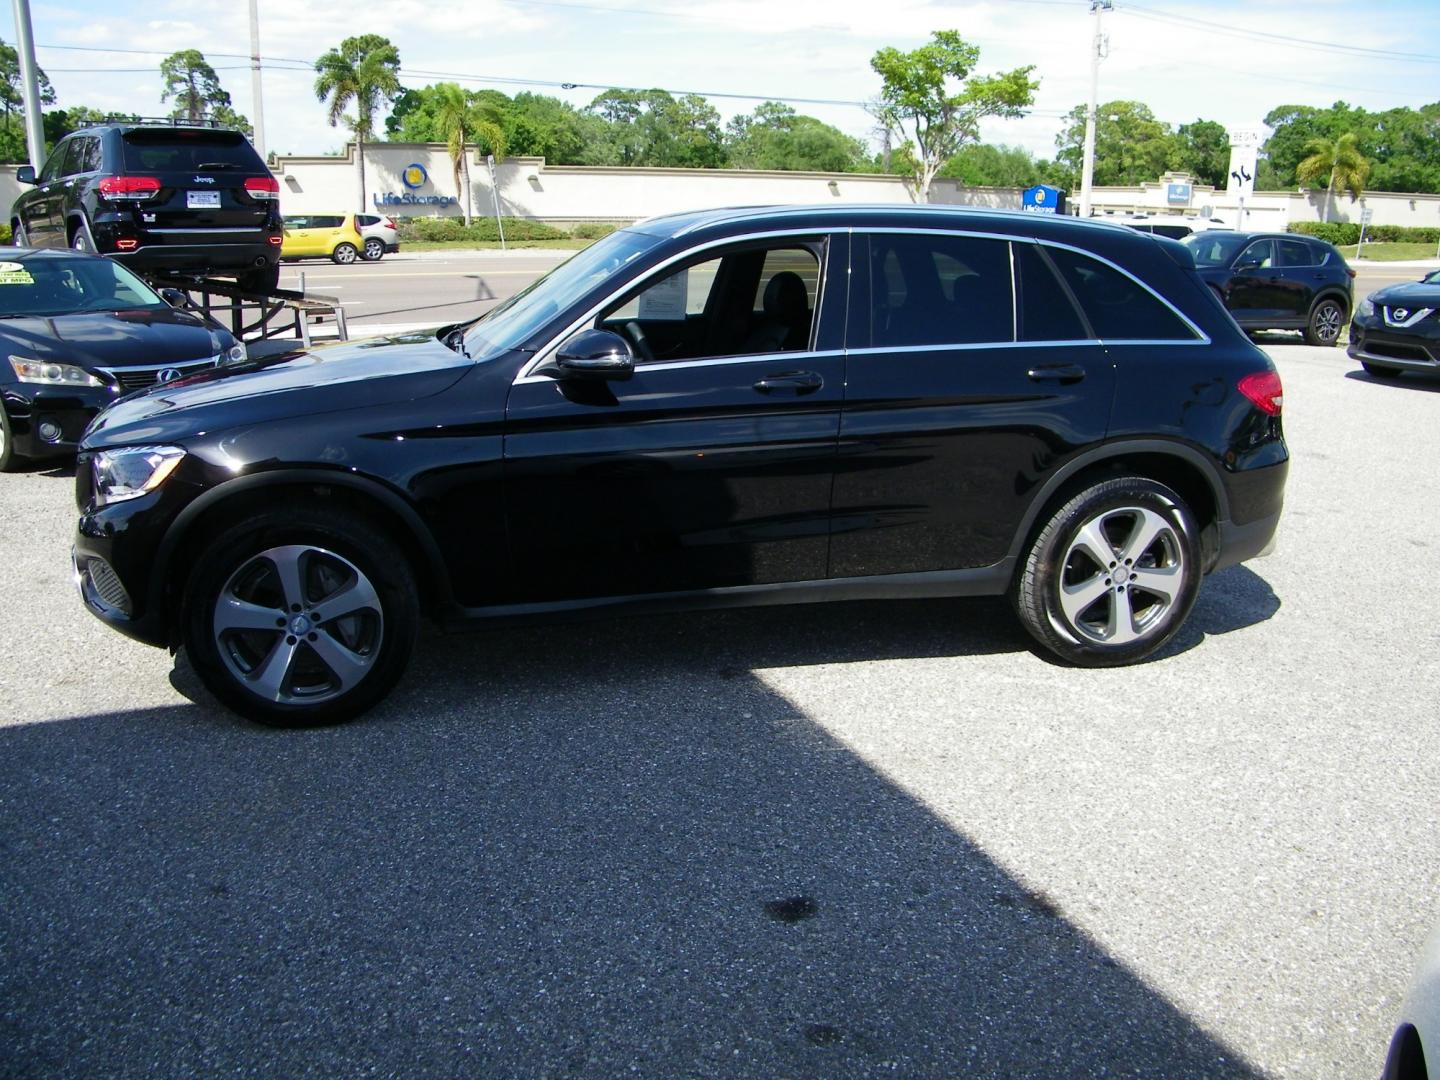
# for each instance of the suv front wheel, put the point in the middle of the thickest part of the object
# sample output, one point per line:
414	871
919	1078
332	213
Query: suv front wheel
1112	575
303	617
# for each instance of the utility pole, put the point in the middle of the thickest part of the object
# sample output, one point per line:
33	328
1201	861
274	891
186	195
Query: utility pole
259	124
30	84
1099	47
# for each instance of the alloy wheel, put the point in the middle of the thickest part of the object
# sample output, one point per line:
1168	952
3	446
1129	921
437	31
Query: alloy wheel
1328	320
1121	576
298	625
374	249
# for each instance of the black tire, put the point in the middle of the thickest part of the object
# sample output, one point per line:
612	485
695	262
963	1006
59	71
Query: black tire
80	238
1060	573
8	457
345	254
309	660
1327	319
374	250
1379	371
265	280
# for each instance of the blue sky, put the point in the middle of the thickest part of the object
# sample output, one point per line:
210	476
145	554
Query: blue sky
1233	71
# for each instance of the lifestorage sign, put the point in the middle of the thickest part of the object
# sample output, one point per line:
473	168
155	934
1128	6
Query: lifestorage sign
1042	199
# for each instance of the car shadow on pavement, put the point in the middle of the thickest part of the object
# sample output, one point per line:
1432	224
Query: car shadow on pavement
1403	382
573	851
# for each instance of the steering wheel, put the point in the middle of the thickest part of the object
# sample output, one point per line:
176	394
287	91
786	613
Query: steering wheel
636	333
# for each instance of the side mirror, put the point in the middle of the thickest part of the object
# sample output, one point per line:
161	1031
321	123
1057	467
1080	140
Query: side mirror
176	298
25	174
596	354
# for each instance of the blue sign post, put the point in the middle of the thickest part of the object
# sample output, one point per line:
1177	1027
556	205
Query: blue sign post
1042	199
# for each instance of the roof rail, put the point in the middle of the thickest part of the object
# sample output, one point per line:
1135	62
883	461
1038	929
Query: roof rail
152	121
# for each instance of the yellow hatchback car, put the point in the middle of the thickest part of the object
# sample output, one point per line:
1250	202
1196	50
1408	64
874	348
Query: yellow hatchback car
331	235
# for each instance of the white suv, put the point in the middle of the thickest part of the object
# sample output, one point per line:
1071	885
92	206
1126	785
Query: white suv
380	235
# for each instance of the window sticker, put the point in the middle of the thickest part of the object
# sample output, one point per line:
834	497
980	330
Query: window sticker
12	273
665	300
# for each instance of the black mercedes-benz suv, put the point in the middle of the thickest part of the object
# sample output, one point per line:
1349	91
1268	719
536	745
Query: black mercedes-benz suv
732	407
159	197
1277	281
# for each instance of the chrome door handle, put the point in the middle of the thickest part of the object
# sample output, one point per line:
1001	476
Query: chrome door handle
1061	373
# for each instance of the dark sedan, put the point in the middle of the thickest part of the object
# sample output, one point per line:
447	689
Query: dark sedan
1397	329
78	331
1277	281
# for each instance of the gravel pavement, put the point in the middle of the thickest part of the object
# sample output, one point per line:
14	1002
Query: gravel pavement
861	839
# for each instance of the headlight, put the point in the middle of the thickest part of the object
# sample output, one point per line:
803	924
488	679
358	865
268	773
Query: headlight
131	471
1366	308
46	374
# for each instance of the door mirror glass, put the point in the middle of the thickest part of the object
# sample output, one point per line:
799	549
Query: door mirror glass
25	174
175	298
596	354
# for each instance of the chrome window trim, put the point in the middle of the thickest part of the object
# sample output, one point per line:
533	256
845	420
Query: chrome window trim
544	354
712	361
971	346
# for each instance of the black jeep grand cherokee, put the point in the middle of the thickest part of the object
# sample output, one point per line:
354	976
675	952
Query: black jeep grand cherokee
158	197
732	407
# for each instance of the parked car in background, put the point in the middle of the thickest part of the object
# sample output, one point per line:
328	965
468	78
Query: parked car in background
380	234
78	331
1277	281
722	408
1416	1040
161	197
1398	329
1174	226
331	236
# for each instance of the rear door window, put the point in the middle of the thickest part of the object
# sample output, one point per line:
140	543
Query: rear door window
1117	306
1296	253
939	289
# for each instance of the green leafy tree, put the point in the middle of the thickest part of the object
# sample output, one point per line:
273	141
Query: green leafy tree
1339	163
930	99
775	136
1131	145
363	72
12	88
1202	149
652	127
1294	127
192	84
462	117
988	165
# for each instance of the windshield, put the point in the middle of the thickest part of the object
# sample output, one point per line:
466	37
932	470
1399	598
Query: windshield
44	285
1214	248
511	324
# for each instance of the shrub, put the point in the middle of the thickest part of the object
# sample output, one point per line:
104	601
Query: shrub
5	234
1348	232
593	230
480	230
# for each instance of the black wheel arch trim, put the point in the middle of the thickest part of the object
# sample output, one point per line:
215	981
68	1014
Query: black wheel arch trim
1333	293
403	510
1114	452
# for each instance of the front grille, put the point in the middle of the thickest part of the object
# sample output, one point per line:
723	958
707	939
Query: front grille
137	378
1399	352
106	585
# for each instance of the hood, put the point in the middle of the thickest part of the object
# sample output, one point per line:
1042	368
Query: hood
1411	294
350	376
96	339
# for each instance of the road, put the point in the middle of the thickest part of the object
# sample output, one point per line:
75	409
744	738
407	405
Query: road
859	839
408	290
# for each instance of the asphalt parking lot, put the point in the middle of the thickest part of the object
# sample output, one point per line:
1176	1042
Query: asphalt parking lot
846	840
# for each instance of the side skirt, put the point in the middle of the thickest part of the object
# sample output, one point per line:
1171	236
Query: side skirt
979	581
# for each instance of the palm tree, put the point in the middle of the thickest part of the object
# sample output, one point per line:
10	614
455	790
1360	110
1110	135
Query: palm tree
363	71
1341	159
462	118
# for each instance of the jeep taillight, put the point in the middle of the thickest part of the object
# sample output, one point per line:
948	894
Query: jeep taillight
132	188
262	187
1264	389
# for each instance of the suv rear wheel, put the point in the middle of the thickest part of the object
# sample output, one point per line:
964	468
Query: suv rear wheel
374	249
1112	575
80	238
1327	319
303	617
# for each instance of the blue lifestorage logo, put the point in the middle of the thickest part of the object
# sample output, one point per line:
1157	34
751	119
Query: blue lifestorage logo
414	176
1042	199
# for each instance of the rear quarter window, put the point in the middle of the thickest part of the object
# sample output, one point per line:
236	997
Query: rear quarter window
1119	307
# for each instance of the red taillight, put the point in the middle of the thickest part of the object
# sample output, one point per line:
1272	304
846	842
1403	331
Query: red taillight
262	187
389	224
275	241
127	245
129	187
1264	389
